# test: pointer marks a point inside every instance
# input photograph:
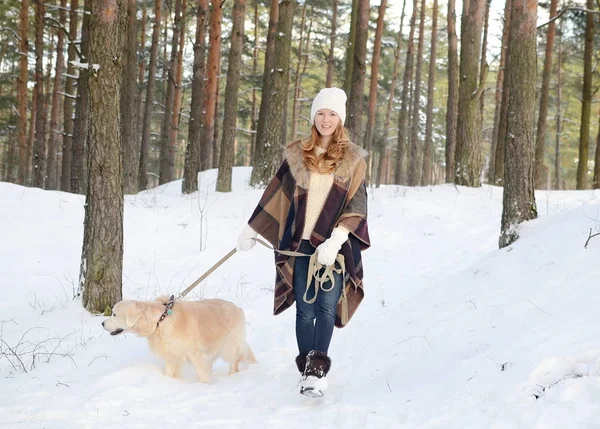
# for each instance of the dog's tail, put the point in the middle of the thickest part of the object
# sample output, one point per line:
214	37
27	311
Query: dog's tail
248	355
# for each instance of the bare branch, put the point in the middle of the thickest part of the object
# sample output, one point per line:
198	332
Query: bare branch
565	10
589	238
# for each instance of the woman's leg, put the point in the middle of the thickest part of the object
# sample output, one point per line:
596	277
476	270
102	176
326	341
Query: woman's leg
305	313
325	313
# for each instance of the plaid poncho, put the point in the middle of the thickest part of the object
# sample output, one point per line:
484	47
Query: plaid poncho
279	218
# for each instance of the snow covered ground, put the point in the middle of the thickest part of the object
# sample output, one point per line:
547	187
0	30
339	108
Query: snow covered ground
453	332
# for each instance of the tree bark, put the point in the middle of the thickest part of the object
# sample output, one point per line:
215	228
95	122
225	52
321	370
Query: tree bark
231	97
502	116
359	68
270	133
596	182
372	110
348	70
80	125
129	104
399	175
427	178
24	160
332	37
148	108
212	82
298	78
167	148
192	153
519	198
558	111
414	161
494	153
468	147
55	135
39	150
102	255
586	102
452	102
540	141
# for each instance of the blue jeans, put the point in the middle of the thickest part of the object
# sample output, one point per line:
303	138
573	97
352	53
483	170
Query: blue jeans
314	322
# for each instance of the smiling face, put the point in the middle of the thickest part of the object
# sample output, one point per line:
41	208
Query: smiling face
326	122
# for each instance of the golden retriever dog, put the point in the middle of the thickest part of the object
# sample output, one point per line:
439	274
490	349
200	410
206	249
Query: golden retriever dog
198	331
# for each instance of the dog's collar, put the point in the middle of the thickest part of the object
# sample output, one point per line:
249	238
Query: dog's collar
168	310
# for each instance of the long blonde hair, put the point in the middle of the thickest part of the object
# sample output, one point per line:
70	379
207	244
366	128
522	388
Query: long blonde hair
327	162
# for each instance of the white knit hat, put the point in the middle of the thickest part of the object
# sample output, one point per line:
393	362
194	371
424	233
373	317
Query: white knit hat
332	99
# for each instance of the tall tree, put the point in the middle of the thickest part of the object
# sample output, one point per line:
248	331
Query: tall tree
231	97
540	137
359	68
468	147
192	152
80	126
332	36
24	161
212	84
269	138
427	177
494	152
102	254
414	162
350	46
300	69
558	109
452	101
399	175
68	104
129	110
150	89
167	147
596	182
384	153
498	178
370	131
518	203
39	151
586	99
55	137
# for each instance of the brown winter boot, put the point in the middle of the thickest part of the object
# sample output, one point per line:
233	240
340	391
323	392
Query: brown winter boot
314	382
301	362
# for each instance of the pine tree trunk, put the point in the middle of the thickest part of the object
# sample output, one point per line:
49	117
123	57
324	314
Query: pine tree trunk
483	65
427	178
102	255
192	153
518	203
150	89
39	150
586	102
348	70
399	174
383	152
231	97
540	141
452	102
24	160
373	87
269	137
332	37
69	101
558	111
254	110
468	147
212	82
596	182
80	126
298	79
502	116
55	135
140	88
414	161
492	177
167	149
359	68
129	103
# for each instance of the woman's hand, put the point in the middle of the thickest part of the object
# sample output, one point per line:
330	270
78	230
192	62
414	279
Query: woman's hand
246	240
328	250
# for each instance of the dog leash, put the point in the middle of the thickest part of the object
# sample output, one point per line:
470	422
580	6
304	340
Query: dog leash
314	268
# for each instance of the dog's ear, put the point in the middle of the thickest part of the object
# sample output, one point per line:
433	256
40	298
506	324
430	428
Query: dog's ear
132	314
136	317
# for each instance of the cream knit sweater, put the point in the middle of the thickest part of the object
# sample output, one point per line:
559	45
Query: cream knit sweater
318	190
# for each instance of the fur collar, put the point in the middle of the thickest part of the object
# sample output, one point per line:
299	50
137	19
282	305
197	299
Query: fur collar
343	172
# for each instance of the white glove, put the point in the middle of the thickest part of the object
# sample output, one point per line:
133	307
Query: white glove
246	240
328	250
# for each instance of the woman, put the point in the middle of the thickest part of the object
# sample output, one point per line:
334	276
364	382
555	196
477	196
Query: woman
315	211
